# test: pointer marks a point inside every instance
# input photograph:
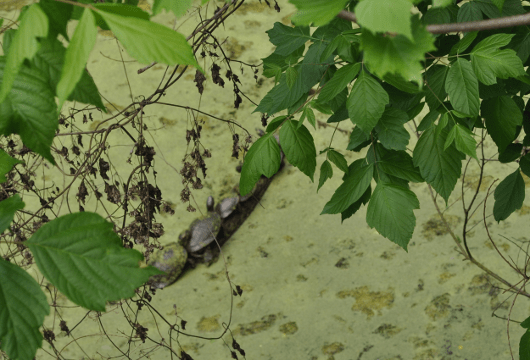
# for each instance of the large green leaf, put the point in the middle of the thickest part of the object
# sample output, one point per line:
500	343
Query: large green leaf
391	131
148	42
398	55
76	56
464	141
489	62
83	257
287	39
390	211
263	158
366	102
502	118
318	12
385	16
439	168
462	86
509	196
355	184
30	111
34	23
299	147
23	307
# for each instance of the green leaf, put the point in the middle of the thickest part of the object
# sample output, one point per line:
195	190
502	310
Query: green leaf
339	81
263	158
385	16
490	62
326	172
321	107
308	112
511	153
83	257
464	43
524	164
357	138
390	211
502	118
436	93
352	209
439	168
469	11
510	7
287	39
441	3
179	8
33	24
499	4
318	12
275	123
462	86
148	42
30	111
366	102
8	208
76	56
353	187
6	164
391	131
299	147
399	164
509	196
428	120
463	140
339	160
398	55
290	76
23	307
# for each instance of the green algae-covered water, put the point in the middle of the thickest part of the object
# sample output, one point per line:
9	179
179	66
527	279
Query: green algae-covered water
313	288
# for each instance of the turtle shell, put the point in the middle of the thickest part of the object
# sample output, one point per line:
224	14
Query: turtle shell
203	231
227	206
171	260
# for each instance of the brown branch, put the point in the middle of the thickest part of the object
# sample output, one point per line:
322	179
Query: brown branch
489	24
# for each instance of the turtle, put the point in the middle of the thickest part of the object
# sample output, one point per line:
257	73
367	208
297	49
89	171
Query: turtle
171	259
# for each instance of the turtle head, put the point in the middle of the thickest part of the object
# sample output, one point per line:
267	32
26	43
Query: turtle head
210	203
184	237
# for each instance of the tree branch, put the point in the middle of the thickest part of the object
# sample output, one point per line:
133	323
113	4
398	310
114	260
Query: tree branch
489	24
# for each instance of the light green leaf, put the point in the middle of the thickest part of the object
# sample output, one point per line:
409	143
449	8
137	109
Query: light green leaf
290	76
23	307
8	208
502	118
33	24
391	131
490	62
308	112
179	8
6	164
390	211
318	12
83	257
77	55
399	164
509	196
462	86
441	3
339	81
439	168
148	42
339	160
299	147
353	187
366	102
326	172
385	16
30	111
463	140
263	158
287	39
398	55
